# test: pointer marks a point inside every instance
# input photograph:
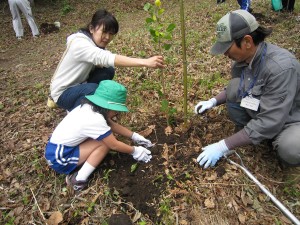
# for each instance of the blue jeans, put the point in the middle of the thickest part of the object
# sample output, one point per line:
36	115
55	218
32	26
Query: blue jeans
71	97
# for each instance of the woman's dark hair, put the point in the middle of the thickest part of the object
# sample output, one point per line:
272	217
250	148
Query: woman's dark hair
258	36
96	108
105	18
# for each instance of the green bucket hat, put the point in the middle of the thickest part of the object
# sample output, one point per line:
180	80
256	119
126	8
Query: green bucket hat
110	95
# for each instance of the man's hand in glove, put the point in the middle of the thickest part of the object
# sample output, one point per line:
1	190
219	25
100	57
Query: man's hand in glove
140	140
212	153
205	105
141	154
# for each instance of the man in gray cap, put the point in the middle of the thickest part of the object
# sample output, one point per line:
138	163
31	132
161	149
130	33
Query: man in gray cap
263	96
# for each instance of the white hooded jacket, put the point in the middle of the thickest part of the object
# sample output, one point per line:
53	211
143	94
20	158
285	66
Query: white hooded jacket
80	57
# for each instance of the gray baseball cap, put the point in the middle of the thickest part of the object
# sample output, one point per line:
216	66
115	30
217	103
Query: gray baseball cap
233	25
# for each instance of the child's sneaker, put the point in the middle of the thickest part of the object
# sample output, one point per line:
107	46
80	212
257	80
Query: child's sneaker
75	184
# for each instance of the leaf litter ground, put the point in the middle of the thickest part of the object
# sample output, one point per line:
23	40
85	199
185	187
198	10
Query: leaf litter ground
172	188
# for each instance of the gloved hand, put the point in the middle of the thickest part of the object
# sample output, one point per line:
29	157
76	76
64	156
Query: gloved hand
212	153
140	140
205	105
141	154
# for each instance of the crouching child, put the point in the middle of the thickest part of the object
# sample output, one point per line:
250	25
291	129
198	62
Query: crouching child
85	136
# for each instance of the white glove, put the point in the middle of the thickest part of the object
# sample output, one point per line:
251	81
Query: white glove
140	140
141	154
212	153
205	105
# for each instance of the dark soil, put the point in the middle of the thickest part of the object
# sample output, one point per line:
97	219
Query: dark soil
171	165
146	184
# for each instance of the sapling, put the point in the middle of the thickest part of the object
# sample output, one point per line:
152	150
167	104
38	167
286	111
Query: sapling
161	35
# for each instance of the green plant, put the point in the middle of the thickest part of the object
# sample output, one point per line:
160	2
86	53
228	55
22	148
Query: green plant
170	177
8	218
25	200
90	207
106	174
169	111
104	223
159	178
292	190
107	192
133	167
161	35
66	8
208	83
76	213
187	175
165	211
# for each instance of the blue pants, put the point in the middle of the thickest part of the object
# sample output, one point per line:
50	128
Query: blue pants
245	4
71	98
61	158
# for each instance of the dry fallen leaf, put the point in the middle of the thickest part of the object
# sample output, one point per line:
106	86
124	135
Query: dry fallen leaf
183	222
242	218
18	210
234	205
85	221
209	203
165	153
45	204
286	220
137	216
148	131
168	130
55	218
213	176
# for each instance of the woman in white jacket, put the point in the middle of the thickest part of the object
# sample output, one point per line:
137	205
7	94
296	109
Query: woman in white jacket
85	62
24	6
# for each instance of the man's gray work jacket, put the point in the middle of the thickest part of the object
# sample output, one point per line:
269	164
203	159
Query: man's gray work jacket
277	86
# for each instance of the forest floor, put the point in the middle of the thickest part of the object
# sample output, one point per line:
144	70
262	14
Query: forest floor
172	188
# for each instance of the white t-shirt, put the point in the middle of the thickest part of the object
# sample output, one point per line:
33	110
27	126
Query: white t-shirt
80	124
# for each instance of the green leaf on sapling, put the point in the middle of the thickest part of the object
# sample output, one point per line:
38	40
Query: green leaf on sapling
149	20
167	46
147	6
171	27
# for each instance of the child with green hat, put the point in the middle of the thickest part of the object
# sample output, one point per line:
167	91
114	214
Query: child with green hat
85	136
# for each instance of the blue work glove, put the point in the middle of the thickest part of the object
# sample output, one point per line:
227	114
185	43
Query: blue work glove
140	140
212	153
141	154
205	105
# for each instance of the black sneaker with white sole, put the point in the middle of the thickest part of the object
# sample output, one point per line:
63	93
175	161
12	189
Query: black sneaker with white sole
77	185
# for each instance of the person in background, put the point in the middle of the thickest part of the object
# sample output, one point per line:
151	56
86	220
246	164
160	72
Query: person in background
86	62
245	5
84	137
24	6
263	96
288	5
